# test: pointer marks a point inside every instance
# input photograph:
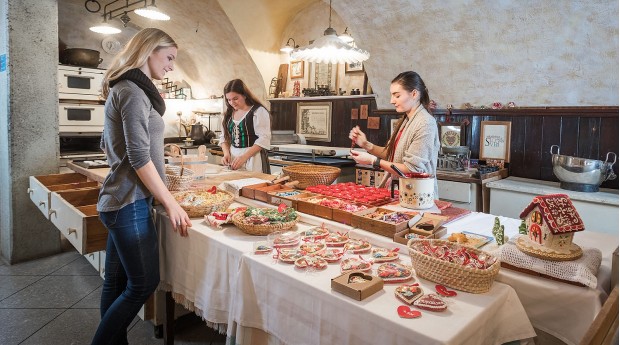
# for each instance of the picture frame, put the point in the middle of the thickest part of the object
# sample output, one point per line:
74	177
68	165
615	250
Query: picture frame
451	134
314	120
297	69
495	140
353	67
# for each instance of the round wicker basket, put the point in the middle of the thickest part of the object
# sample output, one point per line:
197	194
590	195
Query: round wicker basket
200	210
178	178
261	229
450	274
311	175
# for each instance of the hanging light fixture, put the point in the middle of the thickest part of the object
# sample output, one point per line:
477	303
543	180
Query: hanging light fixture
148	11
330	49
288	48
346	36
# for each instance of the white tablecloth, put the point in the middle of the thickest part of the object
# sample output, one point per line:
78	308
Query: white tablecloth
562	310
215	273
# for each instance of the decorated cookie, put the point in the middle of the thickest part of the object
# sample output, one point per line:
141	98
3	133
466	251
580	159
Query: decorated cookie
394	273
352	264
262	248
336	239
289	255
315	233
356	278
286	239
442	290
408	293
312	247
311	262
431	302
331	255
384	254
358	246
406	313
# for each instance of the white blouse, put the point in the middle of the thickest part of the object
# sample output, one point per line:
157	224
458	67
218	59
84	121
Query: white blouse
262	128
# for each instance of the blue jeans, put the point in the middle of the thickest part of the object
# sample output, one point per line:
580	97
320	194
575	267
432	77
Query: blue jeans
131	269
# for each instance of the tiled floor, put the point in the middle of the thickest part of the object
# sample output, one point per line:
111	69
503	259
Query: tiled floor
55	301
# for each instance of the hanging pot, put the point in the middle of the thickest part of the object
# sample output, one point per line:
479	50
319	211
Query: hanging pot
80	57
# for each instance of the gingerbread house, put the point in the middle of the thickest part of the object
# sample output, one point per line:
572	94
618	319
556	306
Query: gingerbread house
551	222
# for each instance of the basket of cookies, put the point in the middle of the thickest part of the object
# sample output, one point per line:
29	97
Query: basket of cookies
198	203
263	221
453	265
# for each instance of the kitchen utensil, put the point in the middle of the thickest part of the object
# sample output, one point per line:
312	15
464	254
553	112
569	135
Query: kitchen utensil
417	193
581	174
199	136
80	57
400	173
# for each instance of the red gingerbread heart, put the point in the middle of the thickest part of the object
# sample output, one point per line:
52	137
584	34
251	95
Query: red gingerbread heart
442	290
406	313
431	302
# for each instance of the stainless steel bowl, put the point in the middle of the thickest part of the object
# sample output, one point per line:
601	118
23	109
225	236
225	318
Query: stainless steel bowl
577	170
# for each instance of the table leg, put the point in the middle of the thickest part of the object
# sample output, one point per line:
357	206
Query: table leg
169	320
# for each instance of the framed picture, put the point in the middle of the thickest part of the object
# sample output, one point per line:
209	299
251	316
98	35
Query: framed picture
353	67
451	134
495	140
314	120
297	69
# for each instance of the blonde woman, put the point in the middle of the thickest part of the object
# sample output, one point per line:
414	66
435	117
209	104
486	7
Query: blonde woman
134	144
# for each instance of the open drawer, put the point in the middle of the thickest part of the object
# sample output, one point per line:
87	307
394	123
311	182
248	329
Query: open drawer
74	212
41	186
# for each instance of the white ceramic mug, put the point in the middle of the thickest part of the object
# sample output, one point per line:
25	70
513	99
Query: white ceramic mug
417	193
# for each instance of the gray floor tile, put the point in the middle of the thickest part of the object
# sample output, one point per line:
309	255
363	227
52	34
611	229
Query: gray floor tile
40	267
189	329
12	284
78	267
92	300
18	324
74	326
53	292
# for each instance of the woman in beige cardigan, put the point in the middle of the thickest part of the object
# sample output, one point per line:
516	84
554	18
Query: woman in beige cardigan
414	144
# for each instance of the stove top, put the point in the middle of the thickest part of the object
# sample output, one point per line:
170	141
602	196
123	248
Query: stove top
453	162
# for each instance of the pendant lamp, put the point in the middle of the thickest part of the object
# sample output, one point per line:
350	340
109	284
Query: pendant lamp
330	49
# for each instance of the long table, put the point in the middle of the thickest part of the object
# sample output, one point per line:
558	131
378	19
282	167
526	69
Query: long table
215	273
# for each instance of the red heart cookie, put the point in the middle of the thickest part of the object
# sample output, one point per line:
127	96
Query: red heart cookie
442	290
431	302
408	293
406	313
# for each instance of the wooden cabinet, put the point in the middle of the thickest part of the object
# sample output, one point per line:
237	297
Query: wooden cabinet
40	187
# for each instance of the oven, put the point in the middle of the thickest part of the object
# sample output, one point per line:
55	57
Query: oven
79	83
80	118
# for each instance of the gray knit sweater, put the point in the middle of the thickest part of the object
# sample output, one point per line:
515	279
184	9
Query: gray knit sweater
133	135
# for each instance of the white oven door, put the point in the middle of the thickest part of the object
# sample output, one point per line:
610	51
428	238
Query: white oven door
80	118
79	83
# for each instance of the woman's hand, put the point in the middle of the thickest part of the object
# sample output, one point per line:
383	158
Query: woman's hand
226	159
238	162
179	218
363	157
359	138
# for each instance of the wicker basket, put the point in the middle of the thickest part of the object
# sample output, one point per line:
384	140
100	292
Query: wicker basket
261	229
201	210
178	177
450	274
311	175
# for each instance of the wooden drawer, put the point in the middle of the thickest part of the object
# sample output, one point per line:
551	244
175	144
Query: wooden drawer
74	213
40	187
454	191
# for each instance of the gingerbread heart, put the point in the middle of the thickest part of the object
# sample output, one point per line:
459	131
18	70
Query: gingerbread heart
442	290
359	278
431	302
408	293
394	273
406	313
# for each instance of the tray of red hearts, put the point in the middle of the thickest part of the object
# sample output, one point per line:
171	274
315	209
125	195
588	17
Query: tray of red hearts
354	192
331	255
452	265
384	254
336	239
315	233
358	246
352	264
392	272
314	262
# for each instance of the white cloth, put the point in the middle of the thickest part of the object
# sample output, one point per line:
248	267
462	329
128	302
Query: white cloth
582	270
562	310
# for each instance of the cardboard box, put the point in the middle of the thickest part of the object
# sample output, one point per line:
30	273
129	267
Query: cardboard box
377	226
290	201
261	193
434	219
357	291
399	237
248	191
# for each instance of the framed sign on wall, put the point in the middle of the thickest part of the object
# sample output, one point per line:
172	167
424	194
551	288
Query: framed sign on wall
314	120
495	140
451	134
297	69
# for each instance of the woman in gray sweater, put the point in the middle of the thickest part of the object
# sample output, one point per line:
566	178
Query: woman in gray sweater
134	144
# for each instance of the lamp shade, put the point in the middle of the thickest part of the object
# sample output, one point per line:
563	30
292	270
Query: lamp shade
330	49
105	28
151	12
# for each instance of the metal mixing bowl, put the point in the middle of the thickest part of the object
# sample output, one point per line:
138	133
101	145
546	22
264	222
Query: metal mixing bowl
580	170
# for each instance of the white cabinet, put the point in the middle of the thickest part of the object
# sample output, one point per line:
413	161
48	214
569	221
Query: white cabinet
599	211
460	194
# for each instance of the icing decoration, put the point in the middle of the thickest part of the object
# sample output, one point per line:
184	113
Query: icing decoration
384	254
311	262
406	313
315	233
358	246
337	239
394	273
352	264
408	293
431	302
331	255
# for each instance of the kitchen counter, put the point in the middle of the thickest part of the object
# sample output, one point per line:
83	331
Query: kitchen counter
319	98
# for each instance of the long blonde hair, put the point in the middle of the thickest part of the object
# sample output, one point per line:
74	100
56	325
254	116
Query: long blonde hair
135	54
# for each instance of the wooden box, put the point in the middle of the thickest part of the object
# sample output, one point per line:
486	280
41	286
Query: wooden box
290	201
249	191
342	216
262	193
315	209
377	226
434	219
357	291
